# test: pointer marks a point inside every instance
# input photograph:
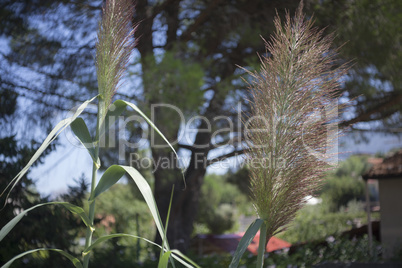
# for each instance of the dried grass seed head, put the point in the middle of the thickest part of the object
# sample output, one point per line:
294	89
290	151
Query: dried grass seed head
293	99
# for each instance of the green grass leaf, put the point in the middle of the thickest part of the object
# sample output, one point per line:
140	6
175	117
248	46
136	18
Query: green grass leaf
189	263
146	192
245	241
180	257
49	139
107	237
177	255
120	105
74	260
73	208
115	110
114	173
108	179
135	108
80	130
164	258
262	245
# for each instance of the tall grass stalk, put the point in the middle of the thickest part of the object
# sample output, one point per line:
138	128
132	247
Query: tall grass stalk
292	124
113	49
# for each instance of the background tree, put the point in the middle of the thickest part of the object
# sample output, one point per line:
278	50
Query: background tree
371	30
341	205
187	56
221	204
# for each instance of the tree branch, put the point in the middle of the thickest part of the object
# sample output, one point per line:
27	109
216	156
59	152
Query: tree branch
225	156
186	36
185	146
392	100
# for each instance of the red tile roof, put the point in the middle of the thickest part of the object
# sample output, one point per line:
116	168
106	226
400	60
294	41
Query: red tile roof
209	244
391	167
273	244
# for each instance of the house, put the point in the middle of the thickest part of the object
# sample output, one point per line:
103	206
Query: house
389	176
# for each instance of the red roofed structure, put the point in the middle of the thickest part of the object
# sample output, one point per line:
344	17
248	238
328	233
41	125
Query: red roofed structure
274	244
389	176
227	243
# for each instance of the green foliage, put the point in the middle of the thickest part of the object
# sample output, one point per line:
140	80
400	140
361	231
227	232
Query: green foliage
130	212
339	191
245	241
62	227
339	251
241	179
371	29
325	223
208	33
355	166
119	211
115	16
220	204
172	80
345	184
61	232
341	207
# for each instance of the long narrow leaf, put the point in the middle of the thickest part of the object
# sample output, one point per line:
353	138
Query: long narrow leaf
49	139
80	130
245	241
146	192
108	179
115	110
74	260
135	108
262	245
73	208
178	256
164	258
107	237
114	173
175	253
120	105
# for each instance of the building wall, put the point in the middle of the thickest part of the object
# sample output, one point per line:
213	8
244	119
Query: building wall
391	214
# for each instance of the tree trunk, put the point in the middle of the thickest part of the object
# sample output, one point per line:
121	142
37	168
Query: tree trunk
186	194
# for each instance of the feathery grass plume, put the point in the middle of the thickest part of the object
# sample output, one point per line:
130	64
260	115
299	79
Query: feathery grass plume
292	119
113	49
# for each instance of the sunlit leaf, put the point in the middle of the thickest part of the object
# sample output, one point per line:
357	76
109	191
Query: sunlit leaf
114	173
80	130
108	179
74	260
